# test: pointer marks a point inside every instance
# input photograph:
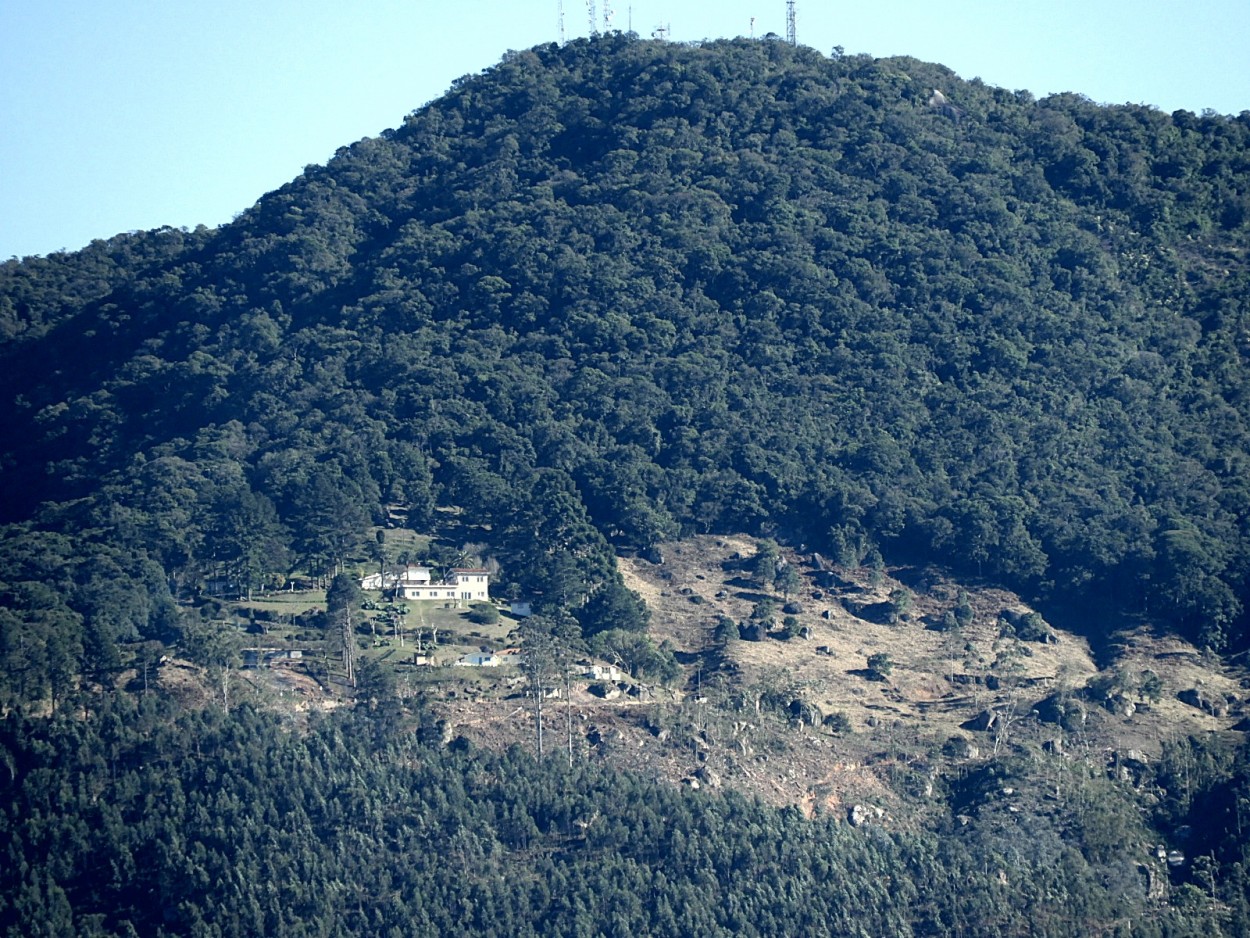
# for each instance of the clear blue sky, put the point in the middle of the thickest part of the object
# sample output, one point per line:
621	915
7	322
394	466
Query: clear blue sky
118	115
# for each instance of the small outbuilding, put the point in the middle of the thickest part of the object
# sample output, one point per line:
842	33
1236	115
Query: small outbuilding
479	660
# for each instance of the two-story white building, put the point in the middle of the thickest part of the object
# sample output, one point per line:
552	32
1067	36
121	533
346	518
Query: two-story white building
462	585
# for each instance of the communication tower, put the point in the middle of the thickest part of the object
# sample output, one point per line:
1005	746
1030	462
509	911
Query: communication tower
607	16
560	20
594	20
791	34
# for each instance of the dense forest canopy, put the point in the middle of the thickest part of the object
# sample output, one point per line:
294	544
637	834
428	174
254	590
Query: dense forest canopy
200	824
618	290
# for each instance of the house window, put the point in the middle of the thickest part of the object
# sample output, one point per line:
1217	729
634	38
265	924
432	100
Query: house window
466	595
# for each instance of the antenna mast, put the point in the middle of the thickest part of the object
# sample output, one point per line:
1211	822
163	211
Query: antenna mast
791	35
560	19
594	25
607	16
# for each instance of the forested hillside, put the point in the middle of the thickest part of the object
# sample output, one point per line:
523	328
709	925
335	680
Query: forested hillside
731	287
198	824
599	297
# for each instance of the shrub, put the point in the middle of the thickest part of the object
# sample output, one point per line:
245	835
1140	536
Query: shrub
880	666
963	610
838	722
483	614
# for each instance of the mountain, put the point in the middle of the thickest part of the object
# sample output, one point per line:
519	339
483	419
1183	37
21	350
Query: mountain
728	287
600	298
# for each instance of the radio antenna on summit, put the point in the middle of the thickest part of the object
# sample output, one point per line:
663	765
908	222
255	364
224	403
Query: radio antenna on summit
791	35
594	24
560	20
607	16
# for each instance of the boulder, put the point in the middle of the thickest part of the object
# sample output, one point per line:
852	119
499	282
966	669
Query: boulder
753	631
1067	711
960	747
708	777
878	613
1120	705
963	680
982	722
1196	698
860	814
807	712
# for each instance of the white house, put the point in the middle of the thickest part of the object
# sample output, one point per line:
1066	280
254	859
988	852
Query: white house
603	672
461	585
478	660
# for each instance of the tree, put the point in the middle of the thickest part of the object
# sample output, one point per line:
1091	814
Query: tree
880	666
789	581
790	627
562	553
328	519
538	664
246	539
377	697
567	637
900	602
613	606
41	645
1188	577
764	564
637	655
343	600
214	645
1151	686
963	610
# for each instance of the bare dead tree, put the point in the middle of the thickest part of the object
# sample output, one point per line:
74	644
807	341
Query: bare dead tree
537	664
